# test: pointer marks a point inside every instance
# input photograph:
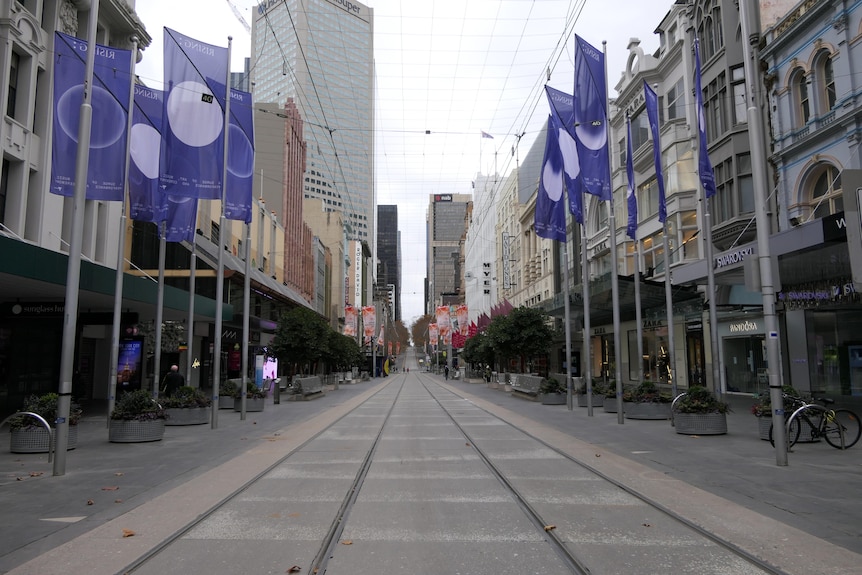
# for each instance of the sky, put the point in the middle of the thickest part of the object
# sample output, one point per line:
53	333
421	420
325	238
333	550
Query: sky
446	71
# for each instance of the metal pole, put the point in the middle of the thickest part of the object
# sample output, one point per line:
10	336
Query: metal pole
121	248
767	286
668	303
586	361
160	305
567	319
76	241
190	324
216	361
638	314
246	292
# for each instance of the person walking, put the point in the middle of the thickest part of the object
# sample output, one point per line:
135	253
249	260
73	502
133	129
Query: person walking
173	381
446	372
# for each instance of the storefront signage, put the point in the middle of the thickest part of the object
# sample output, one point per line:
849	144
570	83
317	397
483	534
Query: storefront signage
34	309
834	227
731	258
599	331
652	323
743	326
599	248
694	326
812	294
442	197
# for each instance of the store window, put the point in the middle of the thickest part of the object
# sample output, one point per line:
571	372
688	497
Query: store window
745	363
653	365
834	352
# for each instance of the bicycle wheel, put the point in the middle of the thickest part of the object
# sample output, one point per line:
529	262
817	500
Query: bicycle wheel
793	437
846	419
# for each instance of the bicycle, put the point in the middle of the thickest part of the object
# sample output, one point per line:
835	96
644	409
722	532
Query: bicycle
840	428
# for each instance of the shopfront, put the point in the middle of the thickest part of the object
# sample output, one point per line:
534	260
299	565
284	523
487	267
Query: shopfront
743	354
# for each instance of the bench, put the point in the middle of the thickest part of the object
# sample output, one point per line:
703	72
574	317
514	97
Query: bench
304	388
526	386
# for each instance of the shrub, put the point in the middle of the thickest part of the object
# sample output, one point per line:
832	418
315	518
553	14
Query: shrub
700	400
646	392
186	397
137	405
44	405
551	385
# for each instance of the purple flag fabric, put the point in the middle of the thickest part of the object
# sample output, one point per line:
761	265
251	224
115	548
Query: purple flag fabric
106	168
146	201
562	109
704	165
192	157
651	103
240	158
590	106
631	192
181	220
550	214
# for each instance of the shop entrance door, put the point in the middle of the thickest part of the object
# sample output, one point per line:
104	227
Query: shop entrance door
744	358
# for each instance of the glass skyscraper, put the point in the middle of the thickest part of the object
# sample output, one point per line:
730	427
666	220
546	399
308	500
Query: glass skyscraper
321	54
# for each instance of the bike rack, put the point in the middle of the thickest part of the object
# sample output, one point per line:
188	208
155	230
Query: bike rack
673	403
43	422
799	410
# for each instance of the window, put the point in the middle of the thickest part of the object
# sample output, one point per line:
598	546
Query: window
800	89
745	183
737	89
4	189
14	70
714	106
826	195
827	83
676	101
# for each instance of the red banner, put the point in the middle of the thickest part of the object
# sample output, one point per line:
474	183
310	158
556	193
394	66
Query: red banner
369	322
350	320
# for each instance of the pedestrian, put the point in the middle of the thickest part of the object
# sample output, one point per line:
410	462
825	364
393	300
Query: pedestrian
173	381
446	372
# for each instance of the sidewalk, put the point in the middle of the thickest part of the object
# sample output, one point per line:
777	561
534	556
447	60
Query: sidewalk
196	467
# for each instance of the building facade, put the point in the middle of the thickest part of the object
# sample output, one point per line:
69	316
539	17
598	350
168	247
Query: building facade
448	215
320	53
389	256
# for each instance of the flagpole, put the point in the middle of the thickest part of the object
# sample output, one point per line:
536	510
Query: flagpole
770	321
190	324
160	305
632	232
76	241
568	321
638	314
121	247
668	303
585	287
615	288
216	361
245	311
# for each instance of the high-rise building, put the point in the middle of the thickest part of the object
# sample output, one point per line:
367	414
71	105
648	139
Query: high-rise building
448	215
320	54
389	256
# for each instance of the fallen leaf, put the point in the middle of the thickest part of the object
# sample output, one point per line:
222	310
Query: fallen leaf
37	473
90	502
275	515
550	527
118	500
294	514
294	569
468	445
128	533
119	474
19	479
347	542
598	454
112	488
647	525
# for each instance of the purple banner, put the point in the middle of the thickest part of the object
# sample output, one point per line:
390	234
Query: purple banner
240	158
591	133
651	103
181	220
106	166
704	166
550	214
631	192
562	108
146	202
192	157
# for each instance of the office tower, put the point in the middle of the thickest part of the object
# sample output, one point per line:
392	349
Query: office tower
320	54
389	256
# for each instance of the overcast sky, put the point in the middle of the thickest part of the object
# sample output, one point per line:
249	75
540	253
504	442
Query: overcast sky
451	67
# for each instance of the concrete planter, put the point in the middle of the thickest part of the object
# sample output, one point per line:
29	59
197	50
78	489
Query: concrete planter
122	431
552	398
35	439
187	415
610	405
225	401
700	423
251	404
646	410
507	387
598	400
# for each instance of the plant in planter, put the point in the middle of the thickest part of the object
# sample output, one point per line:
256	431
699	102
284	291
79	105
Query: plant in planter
227	390
698	412
30	436
762	410
646	401
187	406
255	398
599	390
136	417
552	392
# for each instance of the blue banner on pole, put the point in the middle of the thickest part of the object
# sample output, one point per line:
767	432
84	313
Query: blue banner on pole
704	165
109	98
562	108
240	158
631	192
192	157
550	214
651	104
591	133
146	201
181	220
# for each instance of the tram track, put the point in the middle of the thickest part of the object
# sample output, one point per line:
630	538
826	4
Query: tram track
534	496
